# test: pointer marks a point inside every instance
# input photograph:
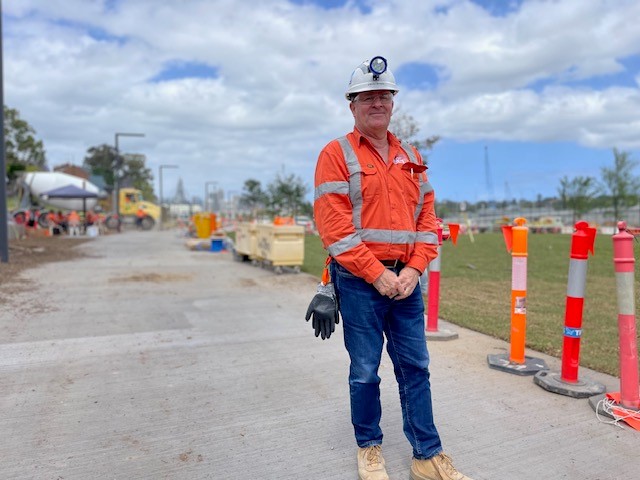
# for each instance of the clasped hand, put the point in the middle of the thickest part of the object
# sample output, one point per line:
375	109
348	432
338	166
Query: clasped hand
398	286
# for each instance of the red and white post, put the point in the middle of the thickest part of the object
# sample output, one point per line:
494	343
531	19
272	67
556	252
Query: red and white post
624	262
567	382
624	405
432	331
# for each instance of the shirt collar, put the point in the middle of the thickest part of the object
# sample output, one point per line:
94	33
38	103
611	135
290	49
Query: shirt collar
391	138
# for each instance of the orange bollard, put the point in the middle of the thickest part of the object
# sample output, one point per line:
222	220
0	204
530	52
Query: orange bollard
517	362
567	382
625	404
432	331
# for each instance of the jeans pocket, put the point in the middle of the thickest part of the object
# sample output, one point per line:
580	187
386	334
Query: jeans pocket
343	272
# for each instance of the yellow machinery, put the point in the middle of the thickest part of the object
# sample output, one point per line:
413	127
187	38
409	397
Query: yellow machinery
205	224
130	201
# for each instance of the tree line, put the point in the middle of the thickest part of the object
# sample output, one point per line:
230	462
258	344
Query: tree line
285	195
25	153
616	189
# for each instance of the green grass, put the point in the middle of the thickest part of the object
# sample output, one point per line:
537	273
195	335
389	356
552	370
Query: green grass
475	292
314	255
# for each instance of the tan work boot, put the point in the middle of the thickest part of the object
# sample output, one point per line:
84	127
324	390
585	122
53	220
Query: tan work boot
371	464
439	467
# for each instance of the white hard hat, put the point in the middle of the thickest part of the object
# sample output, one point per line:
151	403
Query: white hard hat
371	75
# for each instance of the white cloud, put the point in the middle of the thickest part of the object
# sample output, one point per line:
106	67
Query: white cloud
79	72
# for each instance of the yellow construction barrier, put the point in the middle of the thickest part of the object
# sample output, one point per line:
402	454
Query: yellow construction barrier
280	245
247	240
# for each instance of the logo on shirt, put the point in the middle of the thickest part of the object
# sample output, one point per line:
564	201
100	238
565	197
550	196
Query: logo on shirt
400	159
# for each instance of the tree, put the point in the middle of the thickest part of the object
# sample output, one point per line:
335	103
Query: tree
577	194
286	195
405	127
252	196
102	160
619	182
135	174
562	191
22	150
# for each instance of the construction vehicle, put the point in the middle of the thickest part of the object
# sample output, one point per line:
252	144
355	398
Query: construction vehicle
546	224
130	201
34	204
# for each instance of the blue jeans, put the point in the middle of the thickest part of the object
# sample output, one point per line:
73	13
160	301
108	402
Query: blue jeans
366	315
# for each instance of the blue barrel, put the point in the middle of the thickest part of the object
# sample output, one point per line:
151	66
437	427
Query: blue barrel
217	245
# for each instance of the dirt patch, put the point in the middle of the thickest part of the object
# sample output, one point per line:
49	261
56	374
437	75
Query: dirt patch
247	282
32	252
289	280
152	277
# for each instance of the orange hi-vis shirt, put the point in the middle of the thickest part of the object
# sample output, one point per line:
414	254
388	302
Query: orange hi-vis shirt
367	209
73	218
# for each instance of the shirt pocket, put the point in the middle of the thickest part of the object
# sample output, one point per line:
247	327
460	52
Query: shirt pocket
369	182
411	185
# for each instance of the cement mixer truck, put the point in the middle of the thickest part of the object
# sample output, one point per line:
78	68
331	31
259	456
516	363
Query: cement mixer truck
34	202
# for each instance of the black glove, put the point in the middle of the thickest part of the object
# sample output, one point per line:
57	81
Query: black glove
324	308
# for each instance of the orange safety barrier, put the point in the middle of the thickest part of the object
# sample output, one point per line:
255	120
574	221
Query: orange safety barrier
515	237
624	262
432	331
624	405
567	382
283	221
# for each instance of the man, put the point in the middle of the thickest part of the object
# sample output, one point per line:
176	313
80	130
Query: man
73	223
51	223
140	214
374	212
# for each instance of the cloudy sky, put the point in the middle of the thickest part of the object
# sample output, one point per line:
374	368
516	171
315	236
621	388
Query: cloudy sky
231	90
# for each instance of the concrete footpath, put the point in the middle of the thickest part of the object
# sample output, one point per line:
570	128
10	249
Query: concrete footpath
145	360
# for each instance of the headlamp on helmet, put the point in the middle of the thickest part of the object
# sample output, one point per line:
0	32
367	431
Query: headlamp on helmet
371	75
378	65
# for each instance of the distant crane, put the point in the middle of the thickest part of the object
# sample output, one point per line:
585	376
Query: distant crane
489	182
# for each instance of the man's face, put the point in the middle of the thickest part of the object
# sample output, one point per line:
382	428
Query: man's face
372	110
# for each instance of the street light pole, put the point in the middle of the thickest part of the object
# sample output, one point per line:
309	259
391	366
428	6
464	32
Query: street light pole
160	190
206	194
4	220
116	176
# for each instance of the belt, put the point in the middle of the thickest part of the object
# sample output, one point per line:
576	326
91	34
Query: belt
392	263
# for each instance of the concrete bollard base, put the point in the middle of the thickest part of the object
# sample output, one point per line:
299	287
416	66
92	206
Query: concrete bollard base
596	405
552	382
531	365
441	334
